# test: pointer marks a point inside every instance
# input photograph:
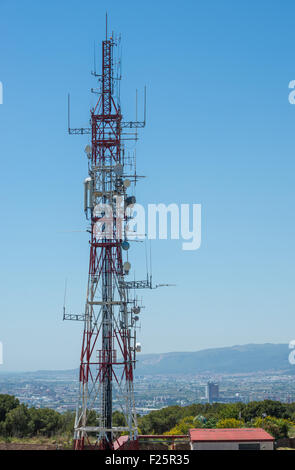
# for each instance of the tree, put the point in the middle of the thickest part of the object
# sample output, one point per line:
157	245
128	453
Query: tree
45	421
18	422
119	418
210	423
7	403
256	409
231	410
92	418
160	421
67	422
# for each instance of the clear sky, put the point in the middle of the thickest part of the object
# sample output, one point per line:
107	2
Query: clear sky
220	132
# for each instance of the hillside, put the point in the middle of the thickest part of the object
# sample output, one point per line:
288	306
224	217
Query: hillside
235	359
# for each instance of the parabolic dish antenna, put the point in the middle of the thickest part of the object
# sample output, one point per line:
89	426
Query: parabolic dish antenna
126	183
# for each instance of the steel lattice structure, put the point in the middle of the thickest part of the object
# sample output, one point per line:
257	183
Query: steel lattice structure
109	345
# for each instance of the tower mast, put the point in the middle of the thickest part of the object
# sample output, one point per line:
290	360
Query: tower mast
109	347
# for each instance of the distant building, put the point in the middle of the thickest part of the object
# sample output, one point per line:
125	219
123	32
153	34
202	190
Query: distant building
212	392
231	439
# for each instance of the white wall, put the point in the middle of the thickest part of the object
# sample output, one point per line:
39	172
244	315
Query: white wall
264	445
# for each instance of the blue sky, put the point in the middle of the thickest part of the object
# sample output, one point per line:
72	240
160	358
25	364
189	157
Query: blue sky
220	132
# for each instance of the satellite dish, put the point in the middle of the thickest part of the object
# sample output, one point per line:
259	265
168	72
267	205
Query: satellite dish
126	267
126	183
130	201
88	149
125	245
138	347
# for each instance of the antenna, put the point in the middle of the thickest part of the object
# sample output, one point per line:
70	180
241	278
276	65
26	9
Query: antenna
69	126
136	112
146	259
164	285
65	294
136	124
106	25
94	59
151	266
144	119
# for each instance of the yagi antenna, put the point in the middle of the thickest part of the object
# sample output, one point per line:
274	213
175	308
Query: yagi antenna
164	285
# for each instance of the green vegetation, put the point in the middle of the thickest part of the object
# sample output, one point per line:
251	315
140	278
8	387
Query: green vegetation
18	421
276	418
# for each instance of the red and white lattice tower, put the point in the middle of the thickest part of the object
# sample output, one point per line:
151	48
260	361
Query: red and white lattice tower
109	344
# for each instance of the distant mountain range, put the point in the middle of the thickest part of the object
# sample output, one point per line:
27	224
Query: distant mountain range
229	360
235	359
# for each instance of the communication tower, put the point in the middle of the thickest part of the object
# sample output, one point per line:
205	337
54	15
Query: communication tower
109	343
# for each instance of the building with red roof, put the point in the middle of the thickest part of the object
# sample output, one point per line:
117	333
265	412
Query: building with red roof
231	439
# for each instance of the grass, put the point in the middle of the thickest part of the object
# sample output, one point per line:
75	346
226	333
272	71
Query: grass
63	441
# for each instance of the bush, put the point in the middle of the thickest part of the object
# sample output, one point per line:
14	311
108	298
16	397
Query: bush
230	423
277	427
185	424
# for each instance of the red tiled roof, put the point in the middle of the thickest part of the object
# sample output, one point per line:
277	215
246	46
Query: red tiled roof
230	434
